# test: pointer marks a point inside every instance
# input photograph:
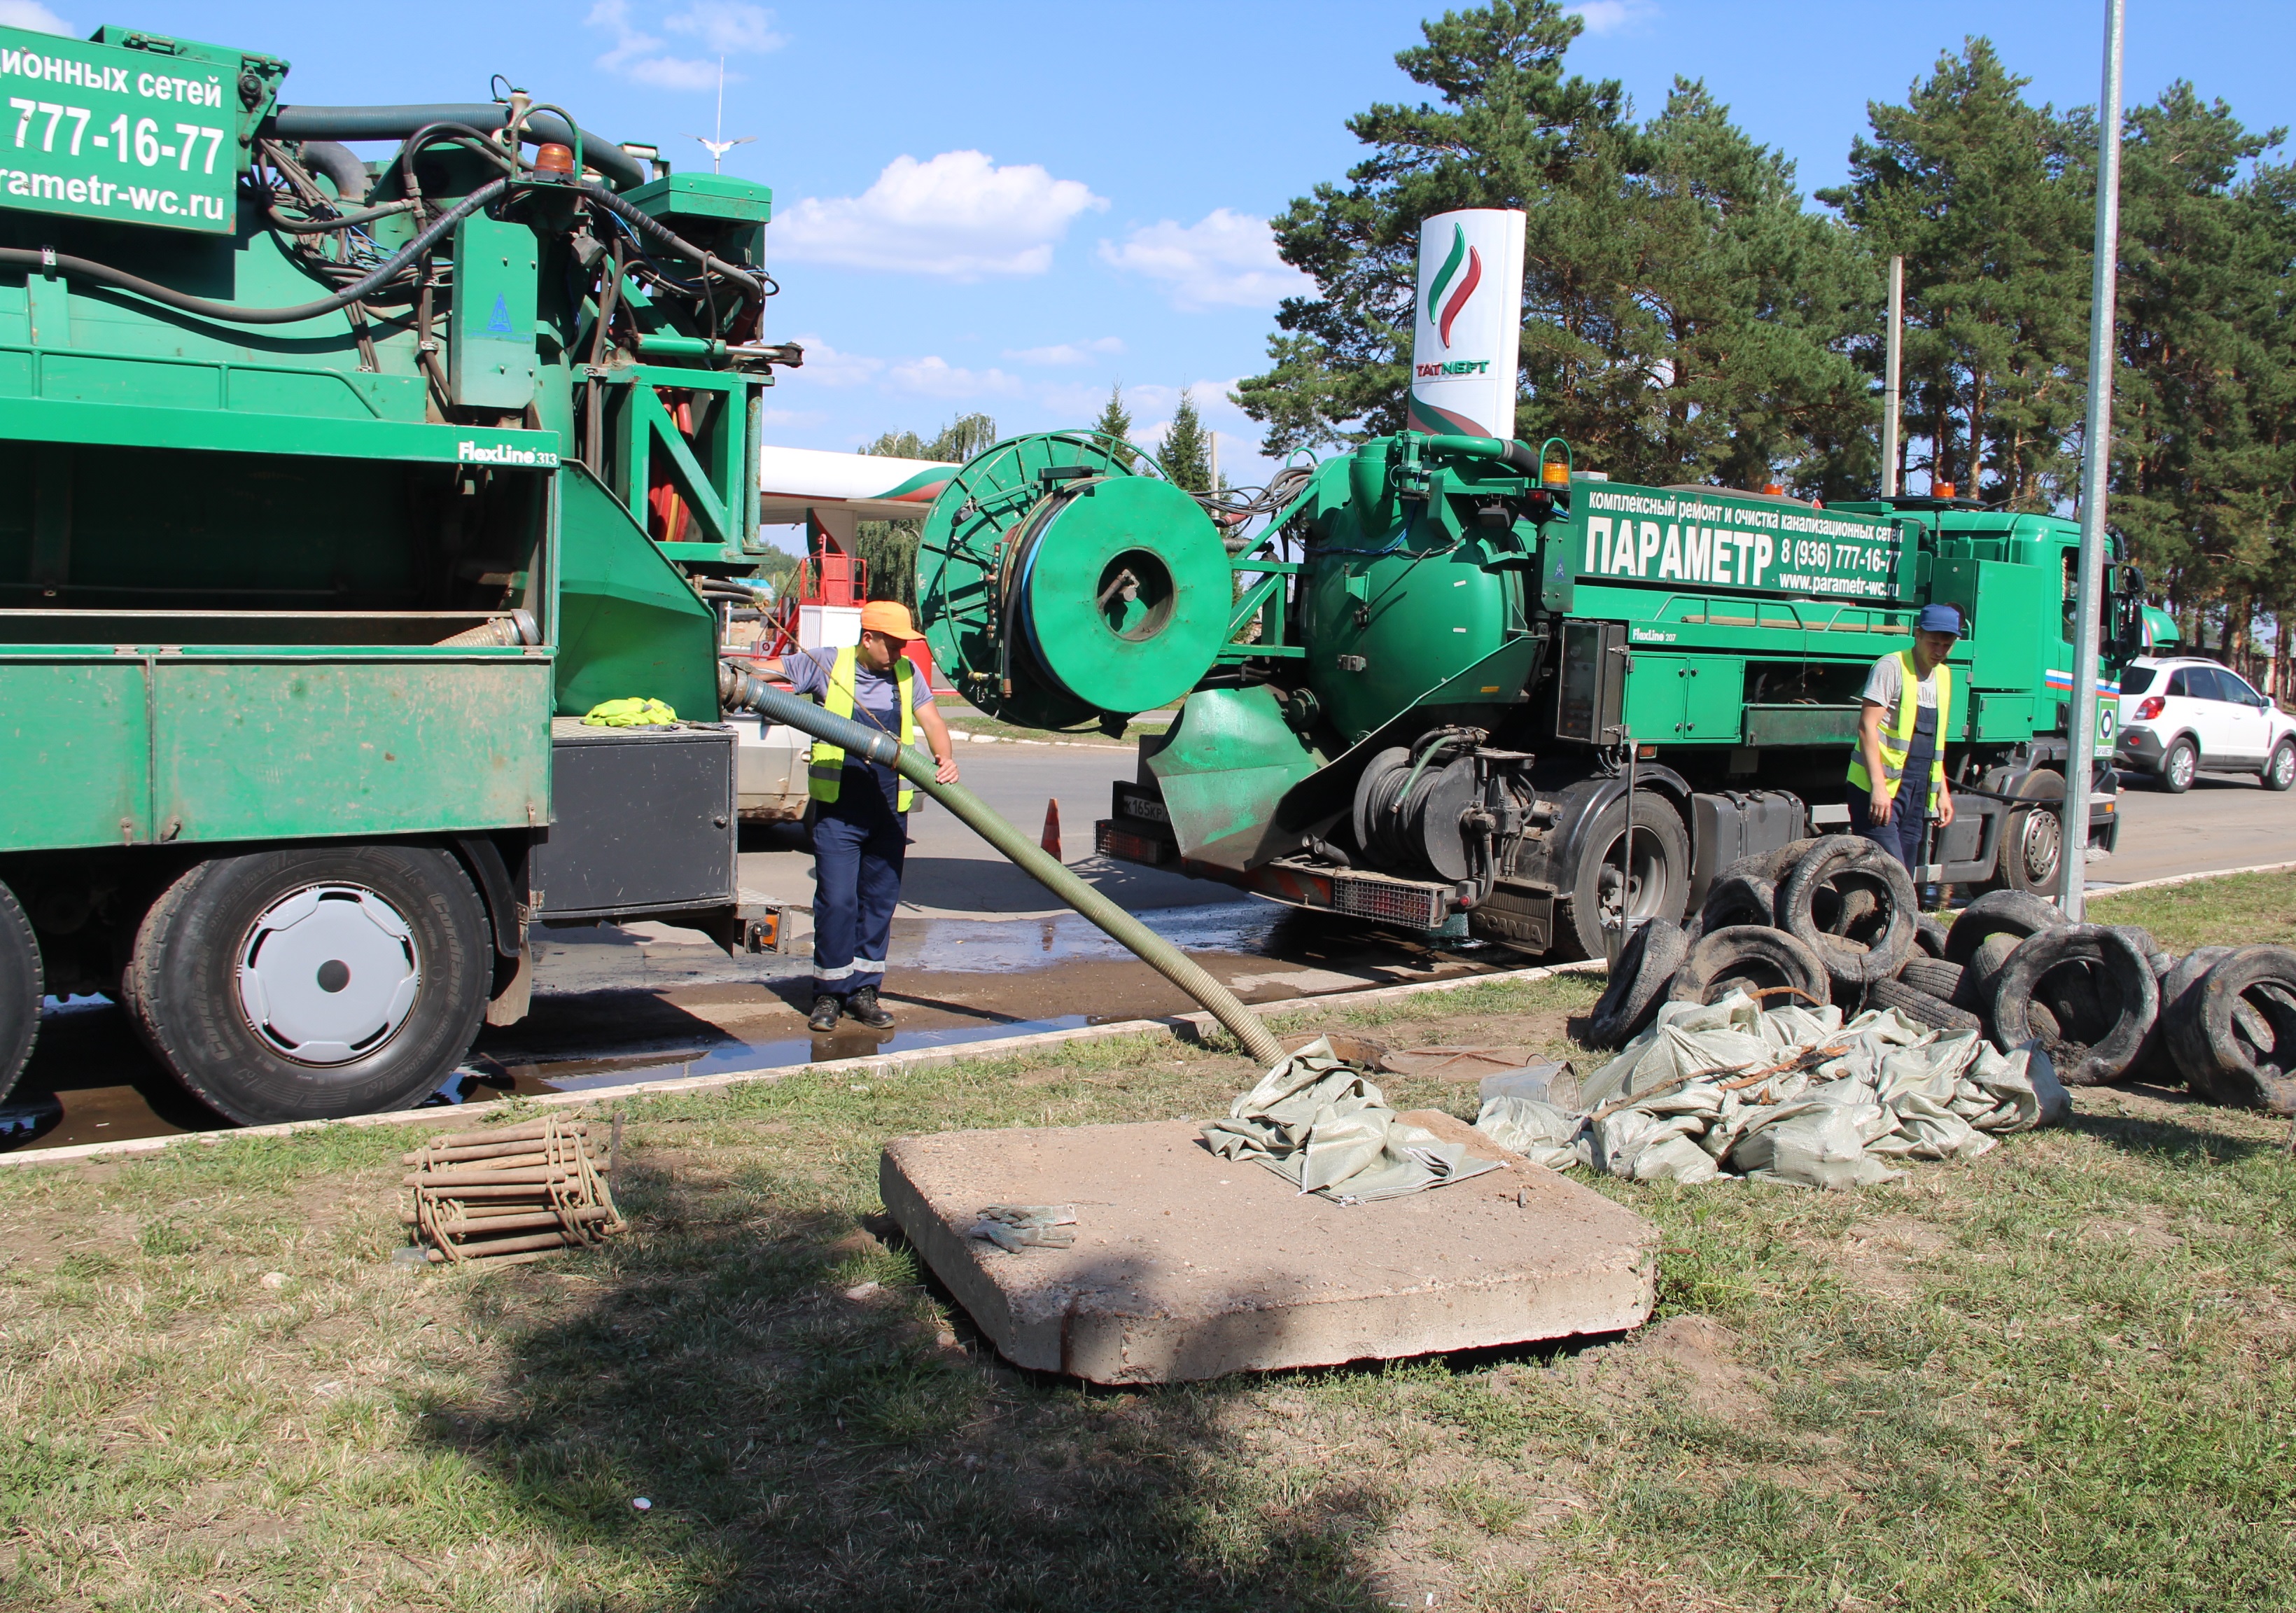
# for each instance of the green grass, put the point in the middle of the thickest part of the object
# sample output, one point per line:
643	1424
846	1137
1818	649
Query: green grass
2206	912
2058	1378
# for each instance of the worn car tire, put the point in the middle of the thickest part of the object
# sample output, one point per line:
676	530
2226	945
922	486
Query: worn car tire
1922	1008
2018	913
1934	976
2130	994
1859	943
2222	1049
1770	964
228	920
23	983
1741	899
2158	1060
1654	952
1928	935
1771	865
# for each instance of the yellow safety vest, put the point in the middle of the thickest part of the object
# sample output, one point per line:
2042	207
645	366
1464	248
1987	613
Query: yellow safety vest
827	772
1898	738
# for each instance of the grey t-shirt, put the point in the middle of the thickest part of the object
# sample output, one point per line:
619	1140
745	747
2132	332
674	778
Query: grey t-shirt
1887	682
874	694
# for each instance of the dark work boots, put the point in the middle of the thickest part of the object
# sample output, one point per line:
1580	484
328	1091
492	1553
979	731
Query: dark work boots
864	1006
823	1017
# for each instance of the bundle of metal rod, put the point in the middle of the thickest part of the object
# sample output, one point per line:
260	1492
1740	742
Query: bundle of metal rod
516	1193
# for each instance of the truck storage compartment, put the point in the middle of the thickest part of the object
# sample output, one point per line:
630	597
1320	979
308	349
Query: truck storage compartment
644	823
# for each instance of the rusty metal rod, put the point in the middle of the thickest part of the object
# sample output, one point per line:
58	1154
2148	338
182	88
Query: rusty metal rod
539	1128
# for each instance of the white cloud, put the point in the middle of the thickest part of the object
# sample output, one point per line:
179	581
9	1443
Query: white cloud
1224	260
725	28
826	366
958	216
1609	16
29	14
790	418
935	377
1067	352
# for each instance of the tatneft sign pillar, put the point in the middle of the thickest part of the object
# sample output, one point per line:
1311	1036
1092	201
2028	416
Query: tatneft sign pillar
1469	322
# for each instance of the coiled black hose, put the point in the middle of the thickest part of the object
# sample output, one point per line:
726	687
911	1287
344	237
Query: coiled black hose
46	261
746	284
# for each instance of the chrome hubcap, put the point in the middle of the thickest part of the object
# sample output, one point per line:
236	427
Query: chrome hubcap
328	974
2043	839
2180	767
2283	767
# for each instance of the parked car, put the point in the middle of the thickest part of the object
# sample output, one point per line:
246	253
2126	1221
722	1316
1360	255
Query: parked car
2179	715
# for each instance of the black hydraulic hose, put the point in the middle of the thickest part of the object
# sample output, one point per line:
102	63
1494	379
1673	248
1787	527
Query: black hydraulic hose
856	739
641	219
46	261
397	122
340	164
340	221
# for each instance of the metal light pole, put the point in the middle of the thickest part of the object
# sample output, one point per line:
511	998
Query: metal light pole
2097	462
1893	392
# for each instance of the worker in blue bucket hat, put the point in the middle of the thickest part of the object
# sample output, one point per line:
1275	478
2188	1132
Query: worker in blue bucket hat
1902	725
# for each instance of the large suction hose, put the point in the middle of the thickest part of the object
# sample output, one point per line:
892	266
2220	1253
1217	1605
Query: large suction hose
918	769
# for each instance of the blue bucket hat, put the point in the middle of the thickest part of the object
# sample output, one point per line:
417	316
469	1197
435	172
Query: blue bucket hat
1939	618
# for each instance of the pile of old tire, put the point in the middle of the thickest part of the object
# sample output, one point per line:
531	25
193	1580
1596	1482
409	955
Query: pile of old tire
2228	1024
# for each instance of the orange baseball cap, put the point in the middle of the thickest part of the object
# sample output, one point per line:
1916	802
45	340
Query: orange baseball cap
890	617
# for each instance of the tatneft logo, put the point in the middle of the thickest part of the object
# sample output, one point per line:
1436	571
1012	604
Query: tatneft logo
1442	311
501	453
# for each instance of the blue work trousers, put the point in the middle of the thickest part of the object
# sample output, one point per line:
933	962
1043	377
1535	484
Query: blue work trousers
858	843
1901	836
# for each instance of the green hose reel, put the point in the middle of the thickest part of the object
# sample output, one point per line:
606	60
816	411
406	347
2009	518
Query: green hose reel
1061	585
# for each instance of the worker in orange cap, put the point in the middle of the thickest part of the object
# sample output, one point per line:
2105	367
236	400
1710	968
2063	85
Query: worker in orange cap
859	809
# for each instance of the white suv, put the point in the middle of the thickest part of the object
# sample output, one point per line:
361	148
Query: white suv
2178	715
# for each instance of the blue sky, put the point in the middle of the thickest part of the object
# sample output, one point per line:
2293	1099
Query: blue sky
1008	207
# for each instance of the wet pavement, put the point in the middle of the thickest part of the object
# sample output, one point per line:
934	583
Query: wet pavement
979	951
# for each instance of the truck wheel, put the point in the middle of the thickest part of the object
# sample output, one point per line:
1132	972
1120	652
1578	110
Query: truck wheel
2179	767
314	983
21	987
2280	772
1657	884
2126	1000
2033	840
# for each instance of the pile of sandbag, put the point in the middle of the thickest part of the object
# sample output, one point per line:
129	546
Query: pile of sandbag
1835	920
1793	1095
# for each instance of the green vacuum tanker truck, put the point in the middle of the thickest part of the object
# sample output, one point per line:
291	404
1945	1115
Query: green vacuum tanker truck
1447	682
344	486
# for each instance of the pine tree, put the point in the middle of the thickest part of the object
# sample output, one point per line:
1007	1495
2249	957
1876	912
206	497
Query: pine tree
1684	318
1185	454
1115	423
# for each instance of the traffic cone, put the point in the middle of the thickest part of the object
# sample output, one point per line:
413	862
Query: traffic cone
1052	838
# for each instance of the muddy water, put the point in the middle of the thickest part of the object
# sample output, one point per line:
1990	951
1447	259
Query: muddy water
617	1005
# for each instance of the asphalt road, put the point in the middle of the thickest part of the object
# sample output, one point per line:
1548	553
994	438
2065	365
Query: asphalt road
2224	821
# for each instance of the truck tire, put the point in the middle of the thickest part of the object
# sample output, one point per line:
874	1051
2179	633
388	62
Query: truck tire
1922	1008
1654	952
2235	1034
1659	882
2033	840
1932	975
2179	765
2086	1056
22	985
2018	913
312	982
1779	970
1854	905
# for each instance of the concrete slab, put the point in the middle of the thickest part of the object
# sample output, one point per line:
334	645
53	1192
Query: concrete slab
1186	1265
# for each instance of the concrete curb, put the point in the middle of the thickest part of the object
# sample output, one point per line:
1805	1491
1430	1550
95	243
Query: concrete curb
1189	1027
2155	884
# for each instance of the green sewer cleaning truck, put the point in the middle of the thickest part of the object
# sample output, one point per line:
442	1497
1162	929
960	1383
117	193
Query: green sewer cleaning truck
1446	682
343	486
